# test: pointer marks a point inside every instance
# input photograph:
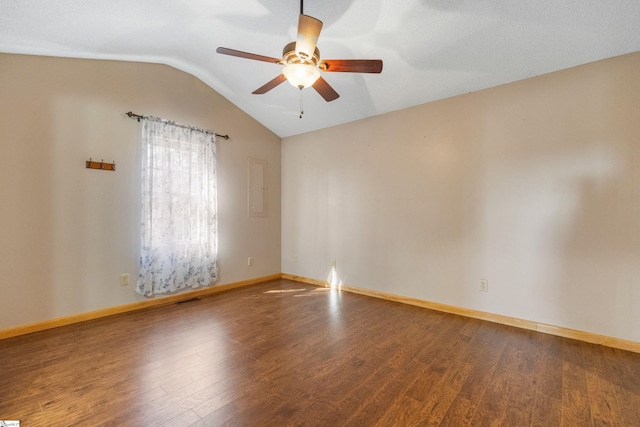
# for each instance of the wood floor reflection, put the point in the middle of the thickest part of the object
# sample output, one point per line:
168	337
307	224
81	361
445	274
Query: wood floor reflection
285	353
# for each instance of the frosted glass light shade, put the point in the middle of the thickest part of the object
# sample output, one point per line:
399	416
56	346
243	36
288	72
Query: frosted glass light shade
301	75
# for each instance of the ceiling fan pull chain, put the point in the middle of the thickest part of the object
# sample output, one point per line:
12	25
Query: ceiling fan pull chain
301	110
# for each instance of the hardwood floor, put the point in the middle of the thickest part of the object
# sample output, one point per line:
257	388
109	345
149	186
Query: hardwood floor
285	353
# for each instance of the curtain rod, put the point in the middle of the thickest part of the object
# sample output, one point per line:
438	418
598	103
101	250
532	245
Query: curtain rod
138	117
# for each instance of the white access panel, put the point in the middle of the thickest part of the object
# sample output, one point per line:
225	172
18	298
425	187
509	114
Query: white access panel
257	187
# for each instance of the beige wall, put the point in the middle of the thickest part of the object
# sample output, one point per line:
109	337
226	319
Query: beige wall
67	233
534	186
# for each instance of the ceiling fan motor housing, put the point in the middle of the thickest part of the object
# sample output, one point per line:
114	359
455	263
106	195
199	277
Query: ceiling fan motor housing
289	56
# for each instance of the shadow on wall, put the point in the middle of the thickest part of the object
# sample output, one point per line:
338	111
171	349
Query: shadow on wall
560	235
596	274
27	197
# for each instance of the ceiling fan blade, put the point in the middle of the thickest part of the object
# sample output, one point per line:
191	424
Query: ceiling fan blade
308	32
351	65
325	90
247	55
270	85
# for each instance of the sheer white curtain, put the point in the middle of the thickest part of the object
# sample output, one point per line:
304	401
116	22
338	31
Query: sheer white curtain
179	219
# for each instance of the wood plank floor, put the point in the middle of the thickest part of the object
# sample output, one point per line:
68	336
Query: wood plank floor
285	353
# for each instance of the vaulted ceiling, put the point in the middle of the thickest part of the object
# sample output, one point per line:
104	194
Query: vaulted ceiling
432	49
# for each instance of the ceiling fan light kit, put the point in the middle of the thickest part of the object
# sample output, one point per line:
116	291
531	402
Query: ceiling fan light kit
302	63
301	75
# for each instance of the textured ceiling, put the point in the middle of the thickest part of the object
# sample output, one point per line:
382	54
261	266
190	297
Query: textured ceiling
432	49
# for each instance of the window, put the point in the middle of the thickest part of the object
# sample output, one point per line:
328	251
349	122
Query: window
179	219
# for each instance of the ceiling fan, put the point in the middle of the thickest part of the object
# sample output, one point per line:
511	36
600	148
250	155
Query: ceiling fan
302	63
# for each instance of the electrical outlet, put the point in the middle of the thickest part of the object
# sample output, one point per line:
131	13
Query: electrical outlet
250	261
484	285
124	279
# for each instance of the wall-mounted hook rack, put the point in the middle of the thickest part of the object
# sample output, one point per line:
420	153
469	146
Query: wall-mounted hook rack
100	165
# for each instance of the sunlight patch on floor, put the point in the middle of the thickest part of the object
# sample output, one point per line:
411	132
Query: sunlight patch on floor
300	292
284	291
333	279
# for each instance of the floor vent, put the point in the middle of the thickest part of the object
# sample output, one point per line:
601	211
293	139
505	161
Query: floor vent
188	300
